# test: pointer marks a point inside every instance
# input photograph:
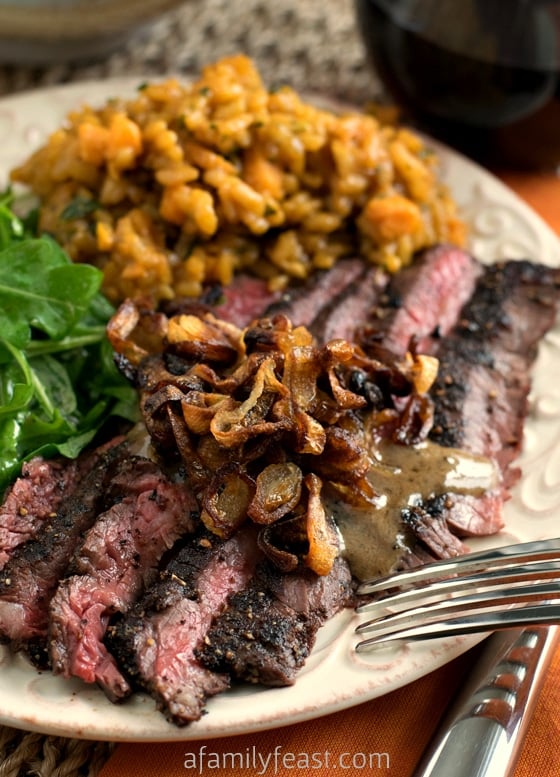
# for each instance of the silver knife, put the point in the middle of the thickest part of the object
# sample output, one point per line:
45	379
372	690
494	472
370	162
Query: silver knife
482	734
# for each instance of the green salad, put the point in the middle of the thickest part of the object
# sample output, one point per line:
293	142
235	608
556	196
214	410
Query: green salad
58	383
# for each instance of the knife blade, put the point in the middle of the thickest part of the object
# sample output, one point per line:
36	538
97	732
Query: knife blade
482	734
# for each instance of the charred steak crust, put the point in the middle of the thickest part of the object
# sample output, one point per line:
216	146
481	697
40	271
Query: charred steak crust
155	642
268	629
269	654
481	393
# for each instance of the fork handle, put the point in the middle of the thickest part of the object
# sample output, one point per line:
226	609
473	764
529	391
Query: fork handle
482	733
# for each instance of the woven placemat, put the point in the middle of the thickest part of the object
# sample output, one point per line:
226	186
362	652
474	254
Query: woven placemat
312	45
23	753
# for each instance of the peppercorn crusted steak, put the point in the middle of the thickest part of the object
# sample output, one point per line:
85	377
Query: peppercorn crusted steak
481	392
116	560
31	576
156	642
268	629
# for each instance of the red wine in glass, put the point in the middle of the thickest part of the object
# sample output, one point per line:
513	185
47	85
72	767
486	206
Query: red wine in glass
482	75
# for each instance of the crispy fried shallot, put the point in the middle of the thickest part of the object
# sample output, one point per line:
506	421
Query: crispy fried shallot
278	492
261	419
226	500
321	534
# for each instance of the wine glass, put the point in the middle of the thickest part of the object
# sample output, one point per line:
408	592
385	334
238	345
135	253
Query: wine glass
482	75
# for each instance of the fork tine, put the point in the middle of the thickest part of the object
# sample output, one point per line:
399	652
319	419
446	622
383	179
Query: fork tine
452	585
515	585
507	555
540	614
460	605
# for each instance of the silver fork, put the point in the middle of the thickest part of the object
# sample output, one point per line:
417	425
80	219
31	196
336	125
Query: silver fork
504	587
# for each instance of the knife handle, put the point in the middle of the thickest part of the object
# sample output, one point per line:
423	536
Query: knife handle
482	733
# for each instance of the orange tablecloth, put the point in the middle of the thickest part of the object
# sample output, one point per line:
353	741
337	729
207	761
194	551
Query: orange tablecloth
399	724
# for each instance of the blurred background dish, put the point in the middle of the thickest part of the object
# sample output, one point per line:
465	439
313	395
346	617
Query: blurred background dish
39	32
483	75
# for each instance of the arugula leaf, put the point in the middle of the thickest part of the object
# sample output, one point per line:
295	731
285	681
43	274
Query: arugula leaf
18	399
41	288
59	386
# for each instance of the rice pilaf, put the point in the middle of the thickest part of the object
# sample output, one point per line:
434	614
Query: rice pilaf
186	184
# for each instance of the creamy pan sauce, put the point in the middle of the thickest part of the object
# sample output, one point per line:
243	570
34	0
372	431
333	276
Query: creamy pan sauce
405	475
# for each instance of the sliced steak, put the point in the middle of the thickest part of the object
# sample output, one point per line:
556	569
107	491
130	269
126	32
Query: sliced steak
156	641
304	304
33	500
347	309
30	577
481	393
268	629
428	524
35	497
244	300
436	528
311	303
472	516
116	561
423	301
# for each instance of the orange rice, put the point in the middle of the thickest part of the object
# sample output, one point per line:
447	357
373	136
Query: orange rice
186	184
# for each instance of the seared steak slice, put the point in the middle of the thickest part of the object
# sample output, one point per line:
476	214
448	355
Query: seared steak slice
244	300
30	577
304	304
483	383
156	642
423	301
310	304
118	558
438	523
467	515
481	395
240	302
268	629
32	500
427	523
355	303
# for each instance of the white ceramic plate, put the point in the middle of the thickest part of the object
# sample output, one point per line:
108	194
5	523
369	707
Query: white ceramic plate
334	677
